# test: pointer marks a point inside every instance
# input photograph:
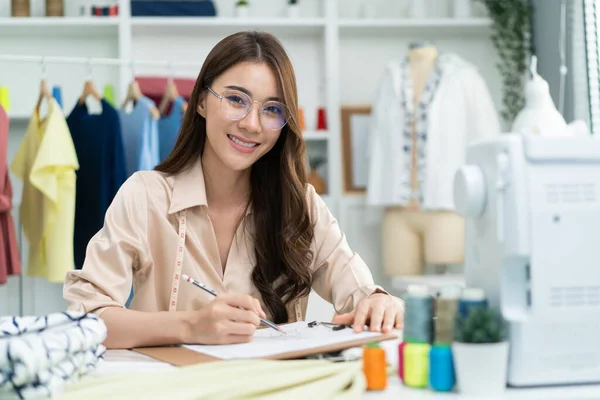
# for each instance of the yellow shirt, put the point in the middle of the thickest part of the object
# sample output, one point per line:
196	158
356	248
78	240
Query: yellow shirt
46	162
139	241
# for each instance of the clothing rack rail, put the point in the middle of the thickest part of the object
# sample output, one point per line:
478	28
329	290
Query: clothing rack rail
93	61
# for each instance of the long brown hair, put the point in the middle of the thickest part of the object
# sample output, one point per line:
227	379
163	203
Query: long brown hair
283	231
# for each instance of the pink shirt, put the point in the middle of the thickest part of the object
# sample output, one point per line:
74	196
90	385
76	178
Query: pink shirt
10	263
138	244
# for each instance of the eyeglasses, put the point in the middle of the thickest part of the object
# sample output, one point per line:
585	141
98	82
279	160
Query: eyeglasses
236	105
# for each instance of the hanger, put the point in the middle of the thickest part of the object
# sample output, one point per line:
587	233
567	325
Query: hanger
134	93
44	92
171	93
89	88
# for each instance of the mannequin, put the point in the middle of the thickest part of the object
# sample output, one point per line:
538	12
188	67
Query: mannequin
411	236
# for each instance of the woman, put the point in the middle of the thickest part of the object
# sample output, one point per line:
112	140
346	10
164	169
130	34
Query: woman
231	208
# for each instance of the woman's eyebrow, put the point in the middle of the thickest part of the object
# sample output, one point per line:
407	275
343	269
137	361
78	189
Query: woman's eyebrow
249	93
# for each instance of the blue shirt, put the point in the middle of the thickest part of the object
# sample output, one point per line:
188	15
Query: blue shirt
168	128
99	148
140	136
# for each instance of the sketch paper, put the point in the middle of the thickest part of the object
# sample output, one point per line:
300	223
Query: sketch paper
268	342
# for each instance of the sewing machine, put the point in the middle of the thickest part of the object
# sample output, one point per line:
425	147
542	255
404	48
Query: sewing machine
532	209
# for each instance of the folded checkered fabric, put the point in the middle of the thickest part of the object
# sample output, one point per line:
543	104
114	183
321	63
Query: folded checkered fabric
39	355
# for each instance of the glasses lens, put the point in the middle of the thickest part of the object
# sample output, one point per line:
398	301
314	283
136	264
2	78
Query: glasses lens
274	115
235	104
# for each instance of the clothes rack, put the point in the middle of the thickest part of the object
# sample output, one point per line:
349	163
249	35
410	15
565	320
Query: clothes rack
93	61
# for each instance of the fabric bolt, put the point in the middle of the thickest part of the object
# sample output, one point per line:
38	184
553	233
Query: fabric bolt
39	355
10	263
99	147
46	162
168	128
139	243
460	112
140	136
264	379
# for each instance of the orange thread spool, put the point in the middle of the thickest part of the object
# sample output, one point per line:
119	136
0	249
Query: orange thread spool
375	367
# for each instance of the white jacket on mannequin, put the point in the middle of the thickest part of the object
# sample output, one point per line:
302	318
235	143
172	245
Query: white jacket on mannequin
461	111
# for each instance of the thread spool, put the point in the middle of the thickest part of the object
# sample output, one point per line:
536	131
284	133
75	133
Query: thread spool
471	298
418	315
441	369
446	308
416	364
375	367
401	360
20	8
4	98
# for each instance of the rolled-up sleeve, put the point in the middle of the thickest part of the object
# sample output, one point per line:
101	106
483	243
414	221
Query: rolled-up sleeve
340	276
112	254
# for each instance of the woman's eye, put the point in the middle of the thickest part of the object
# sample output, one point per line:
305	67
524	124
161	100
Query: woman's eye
273	110
236	100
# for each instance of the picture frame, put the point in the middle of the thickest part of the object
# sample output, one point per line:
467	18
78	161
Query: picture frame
354	142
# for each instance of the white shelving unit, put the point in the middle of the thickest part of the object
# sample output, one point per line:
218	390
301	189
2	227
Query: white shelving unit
337	59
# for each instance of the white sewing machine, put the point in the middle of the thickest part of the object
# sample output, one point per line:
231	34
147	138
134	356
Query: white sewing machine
532	209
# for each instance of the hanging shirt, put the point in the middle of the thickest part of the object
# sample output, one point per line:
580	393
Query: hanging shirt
140	136
10	263
99	146
461	110
168	128
46	163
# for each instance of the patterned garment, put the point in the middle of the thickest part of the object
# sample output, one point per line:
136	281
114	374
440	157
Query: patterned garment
420	119
39	355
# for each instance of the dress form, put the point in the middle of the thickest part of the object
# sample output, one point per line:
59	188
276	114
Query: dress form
412	237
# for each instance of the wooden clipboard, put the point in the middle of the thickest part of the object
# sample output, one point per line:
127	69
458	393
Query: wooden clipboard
181	356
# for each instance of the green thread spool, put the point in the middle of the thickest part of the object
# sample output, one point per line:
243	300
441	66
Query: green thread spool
418	315
416	364
446	309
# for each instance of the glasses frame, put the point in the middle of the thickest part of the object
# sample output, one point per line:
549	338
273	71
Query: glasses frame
221	97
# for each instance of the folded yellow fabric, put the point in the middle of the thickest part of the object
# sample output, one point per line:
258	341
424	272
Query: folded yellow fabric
240	379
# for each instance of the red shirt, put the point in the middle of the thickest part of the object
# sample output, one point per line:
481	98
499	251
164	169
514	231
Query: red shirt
10	263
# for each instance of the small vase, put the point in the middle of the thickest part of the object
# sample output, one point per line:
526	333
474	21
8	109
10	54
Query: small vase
481	368
462	9
241	12
293	11
317	181
20	8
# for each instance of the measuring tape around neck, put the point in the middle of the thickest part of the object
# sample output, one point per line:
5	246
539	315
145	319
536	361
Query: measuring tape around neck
179	266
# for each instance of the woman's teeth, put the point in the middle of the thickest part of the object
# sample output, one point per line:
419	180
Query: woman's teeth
239	142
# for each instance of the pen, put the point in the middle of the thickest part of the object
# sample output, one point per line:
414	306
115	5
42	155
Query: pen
187	278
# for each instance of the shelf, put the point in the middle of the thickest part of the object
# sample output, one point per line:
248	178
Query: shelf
316	135
378	26
217	25
51	26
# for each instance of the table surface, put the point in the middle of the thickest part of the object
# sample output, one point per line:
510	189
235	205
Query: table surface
123	361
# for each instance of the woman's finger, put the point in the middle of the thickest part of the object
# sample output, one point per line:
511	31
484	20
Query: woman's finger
377	312
361	315
389	318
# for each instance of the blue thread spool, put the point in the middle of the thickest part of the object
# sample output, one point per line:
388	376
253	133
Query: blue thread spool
441	369
471	298
418	315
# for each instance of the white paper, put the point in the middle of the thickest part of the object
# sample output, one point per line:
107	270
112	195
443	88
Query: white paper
267	342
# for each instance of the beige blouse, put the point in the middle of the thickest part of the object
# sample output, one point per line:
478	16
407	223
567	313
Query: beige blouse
139	240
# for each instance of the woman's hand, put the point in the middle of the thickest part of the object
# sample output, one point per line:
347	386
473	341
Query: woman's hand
382	312
222	322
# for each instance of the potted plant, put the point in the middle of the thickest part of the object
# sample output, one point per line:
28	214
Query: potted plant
480	352
241	8
292	9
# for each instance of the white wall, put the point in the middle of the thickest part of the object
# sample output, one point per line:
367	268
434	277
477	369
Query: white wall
361	56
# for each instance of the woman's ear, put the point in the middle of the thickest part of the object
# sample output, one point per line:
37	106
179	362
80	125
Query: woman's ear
202	106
